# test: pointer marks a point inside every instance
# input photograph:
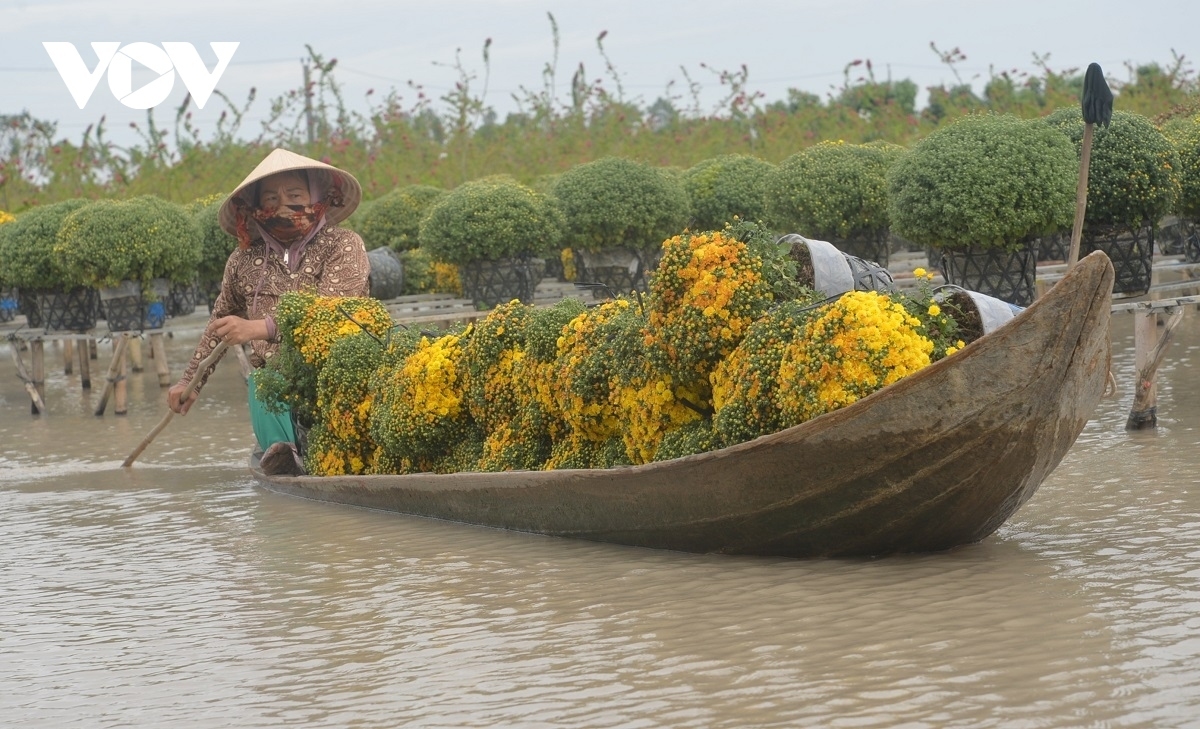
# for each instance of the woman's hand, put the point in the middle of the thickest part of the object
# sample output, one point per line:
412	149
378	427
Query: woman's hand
236	330
173	402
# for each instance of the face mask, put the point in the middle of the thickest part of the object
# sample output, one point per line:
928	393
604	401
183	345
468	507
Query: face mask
288	223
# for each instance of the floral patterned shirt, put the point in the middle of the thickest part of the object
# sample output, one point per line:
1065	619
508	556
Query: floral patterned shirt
334	263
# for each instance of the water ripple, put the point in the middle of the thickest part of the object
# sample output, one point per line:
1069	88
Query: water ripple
177	593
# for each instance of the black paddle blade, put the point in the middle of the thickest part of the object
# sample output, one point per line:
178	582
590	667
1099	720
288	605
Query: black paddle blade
1097	97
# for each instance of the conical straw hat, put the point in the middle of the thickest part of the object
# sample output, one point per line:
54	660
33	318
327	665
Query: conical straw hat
281	160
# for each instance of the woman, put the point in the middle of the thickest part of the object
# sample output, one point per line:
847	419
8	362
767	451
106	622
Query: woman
284	215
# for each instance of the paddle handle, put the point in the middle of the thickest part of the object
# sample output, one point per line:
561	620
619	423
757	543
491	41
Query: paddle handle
204	365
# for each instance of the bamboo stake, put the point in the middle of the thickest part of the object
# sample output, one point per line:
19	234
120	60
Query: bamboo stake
135	354
38	407
158	353
113	367
37	356
1096	108
1149	351
121	388
204	365
68	353
1085	162
85	369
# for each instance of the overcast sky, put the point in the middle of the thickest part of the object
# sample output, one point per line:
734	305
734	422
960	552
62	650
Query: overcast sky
803	43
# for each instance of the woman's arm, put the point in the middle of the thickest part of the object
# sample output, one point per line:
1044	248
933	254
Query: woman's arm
230	304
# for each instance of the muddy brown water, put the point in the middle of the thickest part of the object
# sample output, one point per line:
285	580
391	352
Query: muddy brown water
178	593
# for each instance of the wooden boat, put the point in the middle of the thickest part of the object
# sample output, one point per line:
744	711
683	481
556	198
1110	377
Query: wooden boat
939	459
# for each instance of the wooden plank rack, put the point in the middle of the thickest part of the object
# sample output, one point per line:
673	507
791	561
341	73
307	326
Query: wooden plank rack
440	311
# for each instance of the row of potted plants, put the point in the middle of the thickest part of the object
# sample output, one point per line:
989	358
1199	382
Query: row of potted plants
133	260
985	193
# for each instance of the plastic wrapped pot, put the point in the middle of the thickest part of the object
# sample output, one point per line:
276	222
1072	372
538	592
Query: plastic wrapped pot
831	271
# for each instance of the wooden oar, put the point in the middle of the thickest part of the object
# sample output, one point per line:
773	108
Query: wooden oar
1097	109
204	365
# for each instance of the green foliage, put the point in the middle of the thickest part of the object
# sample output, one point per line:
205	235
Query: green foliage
544	183
582	453
27	248
110	241
619	203
309	326
355	221
464	454
986	181
833	190
444	141
1131	179
779	269
418	271
215	244
490	219
340	441
502	329
394	219
744	384
288	382
1185	137
545	326
688	439
723	187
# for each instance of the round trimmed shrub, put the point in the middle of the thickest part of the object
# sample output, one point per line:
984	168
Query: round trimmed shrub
143	238
487	220
725	186
833	190
215	244
987	181
394	219
27	248
1184	135
1131	178
619	203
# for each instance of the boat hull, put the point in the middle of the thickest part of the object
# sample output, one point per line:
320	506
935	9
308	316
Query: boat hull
940	459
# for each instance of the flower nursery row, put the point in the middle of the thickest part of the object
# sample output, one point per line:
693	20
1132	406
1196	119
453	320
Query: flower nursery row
991	183
994	184
144	248
729	343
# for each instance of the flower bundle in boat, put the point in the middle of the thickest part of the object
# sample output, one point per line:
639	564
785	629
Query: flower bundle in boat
727	345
